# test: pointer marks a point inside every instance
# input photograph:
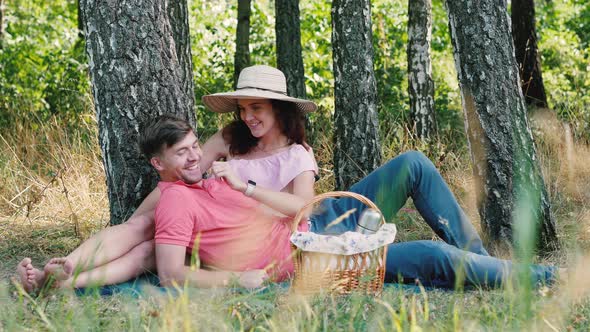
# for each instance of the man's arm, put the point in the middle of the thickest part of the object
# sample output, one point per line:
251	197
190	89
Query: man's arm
171	269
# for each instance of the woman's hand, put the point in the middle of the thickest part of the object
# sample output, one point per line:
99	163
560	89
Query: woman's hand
221	169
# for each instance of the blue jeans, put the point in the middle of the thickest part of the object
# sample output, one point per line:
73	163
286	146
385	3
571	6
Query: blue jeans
433	263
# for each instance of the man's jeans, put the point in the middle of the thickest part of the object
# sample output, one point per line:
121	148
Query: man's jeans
433	263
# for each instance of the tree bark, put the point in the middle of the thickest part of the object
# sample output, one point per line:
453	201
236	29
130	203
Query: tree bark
178	15
242	57
289	54
136	74
80	20
357	149
527	54
288	39
510	184
420	82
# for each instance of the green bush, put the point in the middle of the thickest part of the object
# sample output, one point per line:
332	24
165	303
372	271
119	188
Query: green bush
565	59
43	65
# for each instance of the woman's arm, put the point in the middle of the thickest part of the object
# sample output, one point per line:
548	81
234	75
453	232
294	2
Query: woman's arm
283	202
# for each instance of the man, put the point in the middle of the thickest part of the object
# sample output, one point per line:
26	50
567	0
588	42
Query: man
231	232
235	234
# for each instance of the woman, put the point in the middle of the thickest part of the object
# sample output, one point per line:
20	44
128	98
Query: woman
263	144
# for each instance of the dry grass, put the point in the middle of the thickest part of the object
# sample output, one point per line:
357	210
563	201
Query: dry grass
51	175
53	192
567	176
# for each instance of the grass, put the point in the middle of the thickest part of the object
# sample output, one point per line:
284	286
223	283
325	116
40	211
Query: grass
53	196
276	309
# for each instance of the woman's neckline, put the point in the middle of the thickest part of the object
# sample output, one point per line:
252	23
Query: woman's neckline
275	152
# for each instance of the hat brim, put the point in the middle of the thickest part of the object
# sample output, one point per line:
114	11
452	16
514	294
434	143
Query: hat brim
227	101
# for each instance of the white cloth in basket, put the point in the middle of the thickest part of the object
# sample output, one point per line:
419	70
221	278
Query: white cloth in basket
348	243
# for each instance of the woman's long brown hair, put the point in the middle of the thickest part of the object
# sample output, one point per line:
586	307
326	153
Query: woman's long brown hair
291	123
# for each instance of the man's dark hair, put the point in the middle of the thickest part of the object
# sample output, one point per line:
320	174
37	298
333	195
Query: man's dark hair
291	123
162	132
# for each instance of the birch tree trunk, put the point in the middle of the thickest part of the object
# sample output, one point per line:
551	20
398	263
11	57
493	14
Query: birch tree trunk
357	149
242	57
288	38
527	54
136	74
507	171
420	82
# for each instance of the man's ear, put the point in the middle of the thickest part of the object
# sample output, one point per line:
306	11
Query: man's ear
157	163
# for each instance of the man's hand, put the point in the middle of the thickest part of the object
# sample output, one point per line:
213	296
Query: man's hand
252	278
222	169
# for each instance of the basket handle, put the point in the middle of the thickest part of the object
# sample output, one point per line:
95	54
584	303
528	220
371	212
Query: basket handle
323	196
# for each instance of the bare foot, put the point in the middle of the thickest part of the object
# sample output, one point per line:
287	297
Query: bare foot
59	269
30	277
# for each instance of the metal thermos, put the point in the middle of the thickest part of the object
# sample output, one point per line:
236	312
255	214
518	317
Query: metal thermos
369	221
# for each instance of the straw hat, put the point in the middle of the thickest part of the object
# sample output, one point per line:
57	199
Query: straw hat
256	82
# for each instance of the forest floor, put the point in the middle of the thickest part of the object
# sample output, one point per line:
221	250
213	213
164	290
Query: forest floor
53	196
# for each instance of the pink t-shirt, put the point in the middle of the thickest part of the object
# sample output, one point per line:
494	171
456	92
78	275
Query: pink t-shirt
275	171
230	230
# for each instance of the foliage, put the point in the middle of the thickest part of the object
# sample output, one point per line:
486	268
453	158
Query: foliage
43	65
389	40
579	21
563	29
213	47
316	44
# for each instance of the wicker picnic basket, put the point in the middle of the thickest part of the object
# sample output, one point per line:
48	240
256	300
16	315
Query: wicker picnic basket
340	274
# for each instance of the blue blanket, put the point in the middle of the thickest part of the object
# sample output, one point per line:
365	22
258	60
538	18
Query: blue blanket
136	287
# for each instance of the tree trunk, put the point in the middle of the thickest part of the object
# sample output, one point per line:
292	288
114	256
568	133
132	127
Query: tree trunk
136	74
527	54
510	184
178	15
242	58
80	20
288	38
289	55
357	149
420	82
